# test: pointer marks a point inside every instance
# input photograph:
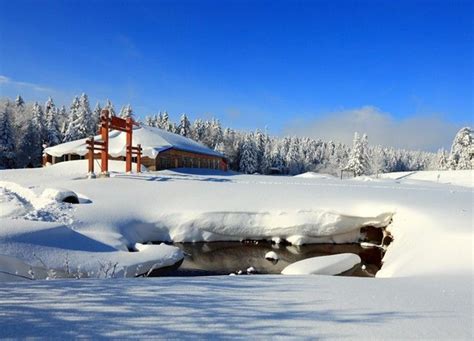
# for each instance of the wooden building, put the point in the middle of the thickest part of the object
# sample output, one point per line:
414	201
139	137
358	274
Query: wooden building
160	150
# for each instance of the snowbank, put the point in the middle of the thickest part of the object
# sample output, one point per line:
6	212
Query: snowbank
49	248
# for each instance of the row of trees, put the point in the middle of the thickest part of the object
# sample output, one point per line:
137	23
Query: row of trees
26	128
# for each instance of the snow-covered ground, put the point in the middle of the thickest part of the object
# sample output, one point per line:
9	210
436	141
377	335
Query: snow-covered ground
423	290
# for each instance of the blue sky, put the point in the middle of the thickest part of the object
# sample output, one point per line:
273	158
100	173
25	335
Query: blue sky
287	65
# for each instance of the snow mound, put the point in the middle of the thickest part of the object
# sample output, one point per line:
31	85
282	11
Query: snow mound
314	175
271	255
57	251
325	265
60	195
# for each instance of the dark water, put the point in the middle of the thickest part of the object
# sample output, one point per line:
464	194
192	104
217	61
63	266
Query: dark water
223	258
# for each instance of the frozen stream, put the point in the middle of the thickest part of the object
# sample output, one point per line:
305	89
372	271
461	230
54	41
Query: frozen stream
223	258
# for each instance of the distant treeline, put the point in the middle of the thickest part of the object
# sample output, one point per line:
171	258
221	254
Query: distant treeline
25	128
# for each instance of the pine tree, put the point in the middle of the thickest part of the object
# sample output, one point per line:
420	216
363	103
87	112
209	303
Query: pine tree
149	121
165	123
29	147
96	117
198	130
19	102
277	156
126	111
184	127
110	107
85	124
267	158
53	133
260	147
358	161
248	158
377	159
441	160
7	140
462	152
72	130
39	123
216	132
293	157
63	118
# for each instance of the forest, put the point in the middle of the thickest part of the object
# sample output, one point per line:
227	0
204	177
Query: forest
27	128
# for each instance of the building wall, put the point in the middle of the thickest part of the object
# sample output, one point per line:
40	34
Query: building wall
170	158
173	158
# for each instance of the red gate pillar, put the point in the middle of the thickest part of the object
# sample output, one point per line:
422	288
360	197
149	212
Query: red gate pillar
91	156
128	157
139	158
104	131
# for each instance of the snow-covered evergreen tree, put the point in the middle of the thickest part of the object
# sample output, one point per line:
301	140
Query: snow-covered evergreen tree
216	132
53	132
85	123
165	122
184	127
441	160
126	111
30	148
110	107
19	102
72	130
278	155
7	140
462	150
248	158
39	123
198	130
64	119
150	121
96	117
293	157
260	140
358	162
267	158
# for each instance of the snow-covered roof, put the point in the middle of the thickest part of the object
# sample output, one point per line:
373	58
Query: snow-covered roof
152	140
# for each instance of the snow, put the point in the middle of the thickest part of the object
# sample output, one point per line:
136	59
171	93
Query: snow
271	255
224	307
47	246
459	178
325	265
423	290
313	175
152	140
58	194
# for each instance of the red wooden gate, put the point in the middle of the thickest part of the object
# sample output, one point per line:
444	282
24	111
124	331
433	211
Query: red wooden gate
108	123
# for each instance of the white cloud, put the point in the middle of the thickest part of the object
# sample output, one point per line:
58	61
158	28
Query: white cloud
416	132
6	81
